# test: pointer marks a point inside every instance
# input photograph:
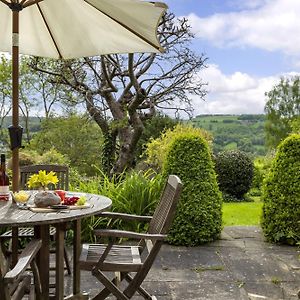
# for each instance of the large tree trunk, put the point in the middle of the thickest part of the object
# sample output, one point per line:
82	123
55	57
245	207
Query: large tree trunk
129	138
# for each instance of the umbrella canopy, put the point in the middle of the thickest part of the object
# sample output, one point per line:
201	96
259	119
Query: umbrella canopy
72	29
78	28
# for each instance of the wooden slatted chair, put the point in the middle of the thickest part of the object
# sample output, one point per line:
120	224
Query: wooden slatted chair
62	173
16	283
127	259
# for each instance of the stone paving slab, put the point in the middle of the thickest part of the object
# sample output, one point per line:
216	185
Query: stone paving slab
239	266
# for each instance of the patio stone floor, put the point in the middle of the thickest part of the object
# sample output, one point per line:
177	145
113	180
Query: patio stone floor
241	265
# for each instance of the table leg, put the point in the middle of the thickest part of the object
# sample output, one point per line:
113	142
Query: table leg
42	232
14	245
76	254
59	268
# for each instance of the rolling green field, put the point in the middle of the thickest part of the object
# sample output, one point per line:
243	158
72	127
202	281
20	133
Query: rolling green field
245	132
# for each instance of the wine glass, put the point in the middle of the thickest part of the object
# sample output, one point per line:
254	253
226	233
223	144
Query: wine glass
21	199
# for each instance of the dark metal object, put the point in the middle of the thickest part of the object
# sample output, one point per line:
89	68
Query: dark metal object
15	134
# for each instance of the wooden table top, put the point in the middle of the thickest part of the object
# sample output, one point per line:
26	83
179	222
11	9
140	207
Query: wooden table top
11	215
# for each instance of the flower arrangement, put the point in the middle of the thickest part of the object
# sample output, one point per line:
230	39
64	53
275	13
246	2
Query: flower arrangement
42	180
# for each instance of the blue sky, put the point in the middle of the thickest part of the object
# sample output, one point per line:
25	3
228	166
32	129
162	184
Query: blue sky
250	45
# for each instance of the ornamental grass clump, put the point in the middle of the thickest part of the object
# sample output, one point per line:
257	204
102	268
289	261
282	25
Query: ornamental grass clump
281	194
199	213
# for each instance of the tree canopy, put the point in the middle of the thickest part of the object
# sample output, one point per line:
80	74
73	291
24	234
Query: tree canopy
282	109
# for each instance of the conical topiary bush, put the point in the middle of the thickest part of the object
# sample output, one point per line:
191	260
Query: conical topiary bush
199	216
281	194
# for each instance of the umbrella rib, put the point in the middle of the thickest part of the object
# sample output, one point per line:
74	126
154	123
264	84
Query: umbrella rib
128	28
30	2
5	2
53	40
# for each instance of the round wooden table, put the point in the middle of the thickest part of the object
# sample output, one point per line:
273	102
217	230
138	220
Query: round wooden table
12	216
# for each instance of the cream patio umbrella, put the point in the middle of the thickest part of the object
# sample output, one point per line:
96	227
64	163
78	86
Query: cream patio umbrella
72	29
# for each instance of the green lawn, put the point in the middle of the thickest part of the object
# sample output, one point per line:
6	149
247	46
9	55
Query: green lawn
245	213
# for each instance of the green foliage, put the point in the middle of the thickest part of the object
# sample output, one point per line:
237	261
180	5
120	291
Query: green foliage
107	157
230	132
199	217
281	194
235	172
295	124
76	137
52	156
262	166
231	198
136	193
157	149
153	128
282	107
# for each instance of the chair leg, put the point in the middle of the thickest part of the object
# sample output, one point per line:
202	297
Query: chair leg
67	261
109	285
106	292
36	279
140	289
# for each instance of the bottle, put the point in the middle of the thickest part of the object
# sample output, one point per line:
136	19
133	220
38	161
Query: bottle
4	181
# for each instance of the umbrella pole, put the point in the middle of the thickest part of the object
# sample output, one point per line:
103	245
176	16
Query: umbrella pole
15	96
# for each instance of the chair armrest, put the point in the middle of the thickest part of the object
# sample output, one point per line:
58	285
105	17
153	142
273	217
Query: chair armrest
27	255
128	234
115	215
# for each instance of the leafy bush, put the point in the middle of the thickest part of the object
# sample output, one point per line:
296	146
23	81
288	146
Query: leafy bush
71	136
235	172
231	198
137	193
52	156
281	194
262	166
157	149
153	128
199	214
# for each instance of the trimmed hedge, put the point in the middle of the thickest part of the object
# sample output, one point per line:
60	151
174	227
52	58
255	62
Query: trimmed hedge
199	214
235	172
281	194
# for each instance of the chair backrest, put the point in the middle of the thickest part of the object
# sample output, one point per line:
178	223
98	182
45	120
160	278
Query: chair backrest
62	173
160	224
166	208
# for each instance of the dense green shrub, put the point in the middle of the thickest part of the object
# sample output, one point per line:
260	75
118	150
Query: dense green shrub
235	172
198	217
281	194
137	193
157	149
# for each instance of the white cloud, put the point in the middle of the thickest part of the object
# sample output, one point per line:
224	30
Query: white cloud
237	93
273	25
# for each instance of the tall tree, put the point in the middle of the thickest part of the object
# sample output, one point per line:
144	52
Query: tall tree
282	109
121	92
5	95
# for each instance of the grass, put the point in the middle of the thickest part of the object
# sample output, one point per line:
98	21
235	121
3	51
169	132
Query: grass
245	213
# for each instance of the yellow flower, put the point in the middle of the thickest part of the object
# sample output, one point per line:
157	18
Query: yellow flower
42	179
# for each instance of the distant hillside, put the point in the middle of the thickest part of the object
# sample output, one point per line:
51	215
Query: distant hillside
245	132
34	123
